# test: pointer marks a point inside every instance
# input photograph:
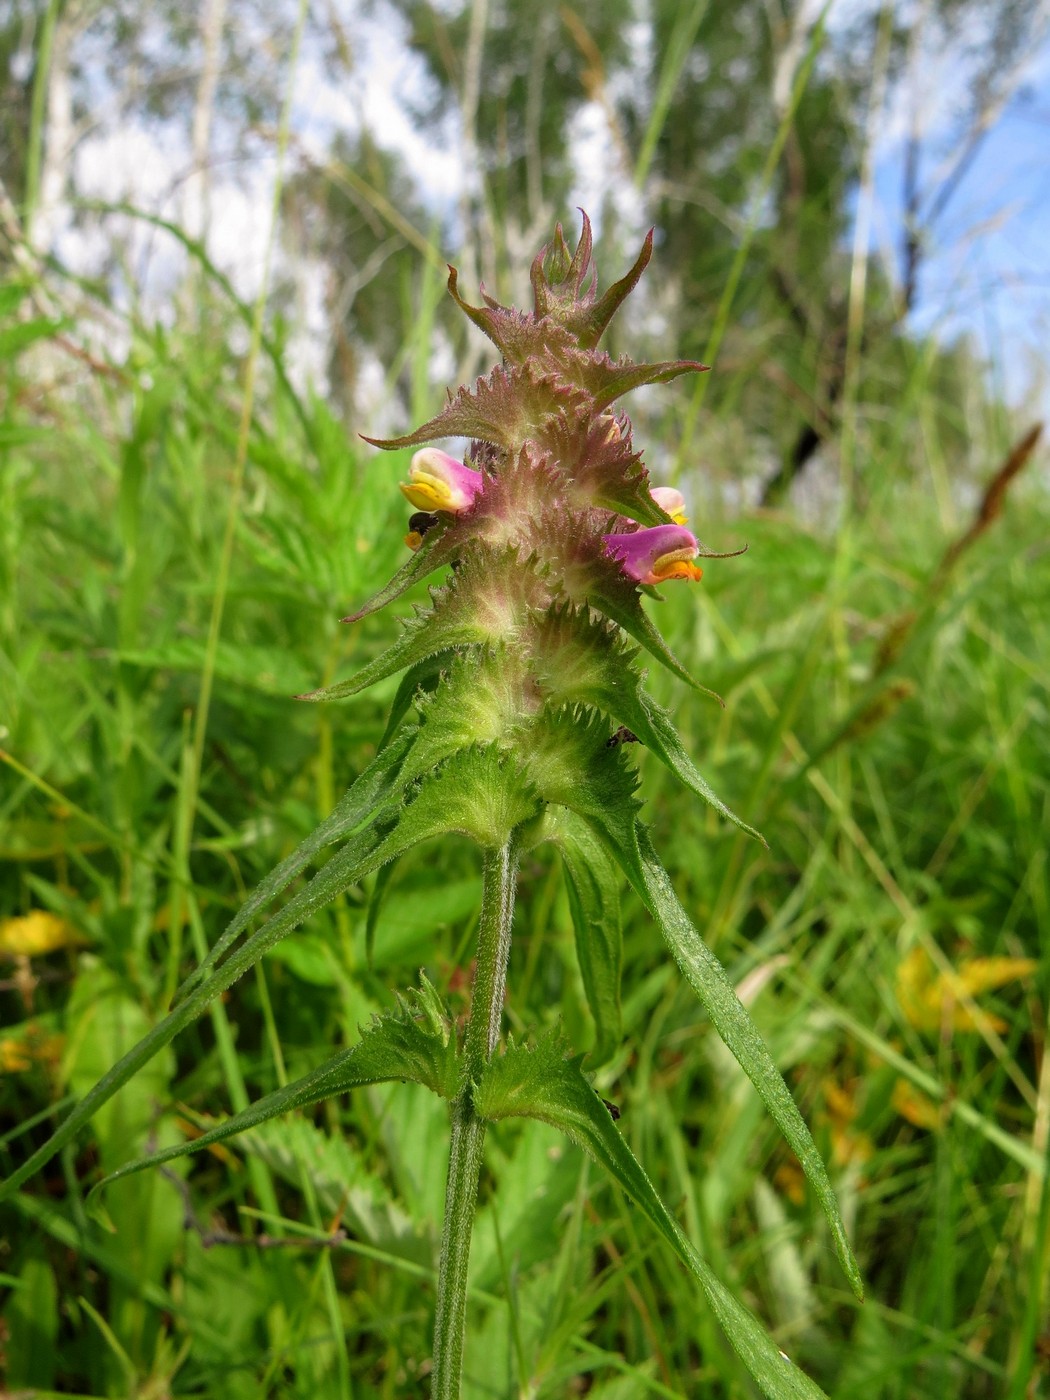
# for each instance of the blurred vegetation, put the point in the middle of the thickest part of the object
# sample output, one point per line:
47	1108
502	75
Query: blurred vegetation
167	584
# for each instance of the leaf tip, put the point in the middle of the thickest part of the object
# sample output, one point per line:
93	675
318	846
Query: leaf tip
96	1209
852	1270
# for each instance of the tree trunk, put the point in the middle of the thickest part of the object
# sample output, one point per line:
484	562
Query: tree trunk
196	208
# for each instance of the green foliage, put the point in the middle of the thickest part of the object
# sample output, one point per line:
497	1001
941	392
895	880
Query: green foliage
912	827
544	1084
594	897
414	1044
884	726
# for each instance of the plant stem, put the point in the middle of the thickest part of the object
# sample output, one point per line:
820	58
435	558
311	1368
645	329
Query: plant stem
468	1130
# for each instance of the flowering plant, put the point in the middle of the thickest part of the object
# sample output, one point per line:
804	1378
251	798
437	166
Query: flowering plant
524	675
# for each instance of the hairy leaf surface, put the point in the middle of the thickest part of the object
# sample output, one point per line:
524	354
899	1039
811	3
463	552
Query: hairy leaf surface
543	1084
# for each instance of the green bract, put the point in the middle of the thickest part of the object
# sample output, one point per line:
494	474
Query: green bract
525	677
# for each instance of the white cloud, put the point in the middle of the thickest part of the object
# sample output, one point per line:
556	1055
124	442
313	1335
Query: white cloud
387	77
306	355
132	161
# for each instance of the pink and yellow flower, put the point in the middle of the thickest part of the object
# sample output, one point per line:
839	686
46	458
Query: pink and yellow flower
672	502
656	554
440	482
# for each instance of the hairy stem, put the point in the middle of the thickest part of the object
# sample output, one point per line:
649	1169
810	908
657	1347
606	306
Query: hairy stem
468	1130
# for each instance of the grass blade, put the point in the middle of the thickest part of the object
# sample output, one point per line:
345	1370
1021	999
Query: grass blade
542	1084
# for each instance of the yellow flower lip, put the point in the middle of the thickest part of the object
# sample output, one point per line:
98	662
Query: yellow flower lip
427	493
676	565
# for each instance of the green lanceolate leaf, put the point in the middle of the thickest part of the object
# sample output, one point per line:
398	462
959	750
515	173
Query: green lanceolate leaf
423	636
429	556
633	500
543	1084
501	409
405	1044
708	978
593	887
609	382
468	794
653	726
424	676
356	806
465	611
624	607
355	860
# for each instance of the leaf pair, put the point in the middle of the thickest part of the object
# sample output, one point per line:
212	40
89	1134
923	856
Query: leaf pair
393	826
415	1042
543	1084
634	853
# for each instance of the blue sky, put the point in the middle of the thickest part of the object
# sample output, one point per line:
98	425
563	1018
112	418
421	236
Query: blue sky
987	269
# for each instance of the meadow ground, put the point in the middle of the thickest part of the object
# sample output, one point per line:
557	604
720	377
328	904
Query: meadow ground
885	726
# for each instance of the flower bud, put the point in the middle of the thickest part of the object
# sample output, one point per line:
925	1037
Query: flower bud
671	501
656	554
440	482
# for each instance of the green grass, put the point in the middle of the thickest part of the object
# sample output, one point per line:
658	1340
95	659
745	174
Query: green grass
905	807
